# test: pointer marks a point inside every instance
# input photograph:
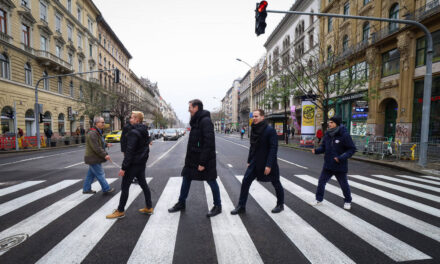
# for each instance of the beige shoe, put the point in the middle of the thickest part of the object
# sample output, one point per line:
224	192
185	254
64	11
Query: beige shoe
116	214
146	210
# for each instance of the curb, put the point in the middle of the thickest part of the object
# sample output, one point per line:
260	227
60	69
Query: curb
39	150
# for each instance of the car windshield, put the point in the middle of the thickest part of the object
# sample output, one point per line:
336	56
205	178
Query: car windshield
170	131
115	133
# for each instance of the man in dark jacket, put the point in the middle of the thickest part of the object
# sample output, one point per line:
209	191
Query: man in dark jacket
135	159
262	162
338	148
200	160
94	156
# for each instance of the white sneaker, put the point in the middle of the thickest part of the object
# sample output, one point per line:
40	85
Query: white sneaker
315	203
347	206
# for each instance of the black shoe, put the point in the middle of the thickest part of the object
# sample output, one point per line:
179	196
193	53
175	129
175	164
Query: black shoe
217	209
109	191
238	210
89	192
177	207
278	209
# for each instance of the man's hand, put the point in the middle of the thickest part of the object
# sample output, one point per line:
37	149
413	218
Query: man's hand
337	160
249	164
201	168
109	145
266	171
121	173
151	143
107	157
313	151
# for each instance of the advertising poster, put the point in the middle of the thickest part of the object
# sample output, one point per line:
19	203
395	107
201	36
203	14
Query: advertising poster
279	128
307	124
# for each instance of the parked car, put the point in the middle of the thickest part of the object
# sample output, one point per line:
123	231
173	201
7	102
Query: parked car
114	136
171	134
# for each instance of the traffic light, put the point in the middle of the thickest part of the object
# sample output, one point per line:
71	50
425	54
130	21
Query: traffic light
41	118
117	73
260	18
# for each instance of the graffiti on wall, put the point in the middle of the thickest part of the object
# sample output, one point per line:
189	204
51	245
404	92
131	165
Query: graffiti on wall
402	131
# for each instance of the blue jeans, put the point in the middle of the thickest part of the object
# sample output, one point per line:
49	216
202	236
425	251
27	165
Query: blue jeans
95	171
186	184
326	175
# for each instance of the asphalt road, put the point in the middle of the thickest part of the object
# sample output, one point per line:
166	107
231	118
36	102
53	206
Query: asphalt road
45	218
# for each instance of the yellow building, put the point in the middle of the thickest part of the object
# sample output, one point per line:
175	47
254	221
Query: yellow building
394	57
46	38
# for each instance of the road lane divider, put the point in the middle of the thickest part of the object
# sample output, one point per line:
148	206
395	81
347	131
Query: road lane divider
73	165
164	154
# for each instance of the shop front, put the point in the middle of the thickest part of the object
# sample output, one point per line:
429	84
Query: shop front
434	120
353	109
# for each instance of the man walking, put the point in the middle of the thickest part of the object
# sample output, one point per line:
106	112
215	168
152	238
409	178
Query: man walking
135	159
94	156
48	132
200	160
262	162
338	148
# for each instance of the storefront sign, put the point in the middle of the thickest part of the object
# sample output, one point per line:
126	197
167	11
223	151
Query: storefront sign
361	109
331	113
352	96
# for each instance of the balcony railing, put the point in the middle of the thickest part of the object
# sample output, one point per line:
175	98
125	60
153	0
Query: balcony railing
5	37
49	57
425	11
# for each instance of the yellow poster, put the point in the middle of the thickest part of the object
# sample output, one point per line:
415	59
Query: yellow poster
279	128
308	115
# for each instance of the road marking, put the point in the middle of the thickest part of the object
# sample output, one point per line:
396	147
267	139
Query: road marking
19	161
384	242
73	165
314	246
38	221
85	237
291	163
395	198
158	239
427	196
396	216
420	185
18	187
419	179
232	241
432	177
164	154
31	197
229	165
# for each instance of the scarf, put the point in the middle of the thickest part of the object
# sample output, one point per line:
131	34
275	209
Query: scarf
333	131
256	132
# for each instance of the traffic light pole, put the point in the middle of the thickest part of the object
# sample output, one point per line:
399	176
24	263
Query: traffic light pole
37	108
428	74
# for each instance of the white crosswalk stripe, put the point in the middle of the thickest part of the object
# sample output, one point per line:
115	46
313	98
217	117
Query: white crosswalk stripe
423	186
18	187
398	217
32	197
304	236
232	241
89	233
420	179
432	177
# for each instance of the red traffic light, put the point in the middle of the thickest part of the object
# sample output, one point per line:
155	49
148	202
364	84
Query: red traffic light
262	6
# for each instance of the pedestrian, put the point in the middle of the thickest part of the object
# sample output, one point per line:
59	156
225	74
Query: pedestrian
20	132
135	159
319	135
337	147
77	132
48	133
82	131
262	162
293	132
200	160
242	132
288	132
94	156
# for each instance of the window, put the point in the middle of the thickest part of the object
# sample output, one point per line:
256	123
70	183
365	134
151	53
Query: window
346	9
58	51
4	66
366	2
345	43
329	24
43	43
421	49
25	35
43	11
311	44
361	71
60	85
71	88
80	66
69	32
25	3
46	81
390	62
28	74
365	32
79	15
90	24
79	41
100	37
394	13
329	52
81	92
100	58
70	57
3	21
90	50
58	23
69	5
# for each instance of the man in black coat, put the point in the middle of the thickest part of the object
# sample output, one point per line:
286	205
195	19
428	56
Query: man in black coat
262	162
135	160
338	148
200	160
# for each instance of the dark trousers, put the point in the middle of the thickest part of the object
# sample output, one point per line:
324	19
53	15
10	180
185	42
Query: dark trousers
135	171
249	177
326	175
186	184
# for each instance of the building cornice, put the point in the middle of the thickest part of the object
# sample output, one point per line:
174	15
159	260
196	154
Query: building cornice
100	19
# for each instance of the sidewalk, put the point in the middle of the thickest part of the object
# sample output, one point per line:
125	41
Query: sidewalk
13	151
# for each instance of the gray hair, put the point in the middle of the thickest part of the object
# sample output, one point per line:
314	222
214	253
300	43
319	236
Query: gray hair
96	119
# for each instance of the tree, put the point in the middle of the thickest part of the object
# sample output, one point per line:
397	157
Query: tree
159	120
121	104
92	101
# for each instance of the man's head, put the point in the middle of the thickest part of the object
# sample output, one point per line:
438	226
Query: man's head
136	117
194	106
258	116
98	121
334	122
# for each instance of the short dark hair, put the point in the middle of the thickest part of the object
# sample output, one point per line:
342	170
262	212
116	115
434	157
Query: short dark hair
261	111
196	102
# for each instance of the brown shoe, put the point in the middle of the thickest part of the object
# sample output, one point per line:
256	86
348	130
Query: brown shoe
146	210
115	214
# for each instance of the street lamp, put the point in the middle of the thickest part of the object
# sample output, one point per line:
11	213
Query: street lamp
250	96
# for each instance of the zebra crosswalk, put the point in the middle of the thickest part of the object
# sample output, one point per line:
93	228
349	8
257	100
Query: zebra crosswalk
234	237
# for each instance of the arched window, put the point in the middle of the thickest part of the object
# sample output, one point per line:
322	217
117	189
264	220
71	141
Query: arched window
365	32
345	43
47	120
7	122
28	74
394	13
29	118
46	81
4	66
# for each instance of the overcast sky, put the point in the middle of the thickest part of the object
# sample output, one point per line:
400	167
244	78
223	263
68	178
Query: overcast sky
190	47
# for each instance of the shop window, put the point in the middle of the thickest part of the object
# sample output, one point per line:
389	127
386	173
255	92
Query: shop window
434	123
61	127
421	49
390	63
30	122
7	121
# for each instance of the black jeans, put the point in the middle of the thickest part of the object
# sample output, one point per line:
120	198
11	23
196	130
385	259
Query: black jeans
186	184
249	177
326	175
137	171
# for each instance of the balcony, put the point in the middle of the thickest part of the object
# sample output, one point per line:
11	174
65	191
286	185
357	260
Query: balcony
50	60
385	32
5	37
93	80
425	11
352	50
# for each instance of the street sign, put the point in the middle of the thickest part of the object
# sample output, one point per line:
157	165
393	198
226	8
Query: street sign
251	114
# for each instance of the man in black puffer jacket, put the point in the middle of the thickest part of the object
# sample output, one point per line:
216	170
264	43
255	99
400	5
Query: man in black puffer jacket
135	160
200	160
